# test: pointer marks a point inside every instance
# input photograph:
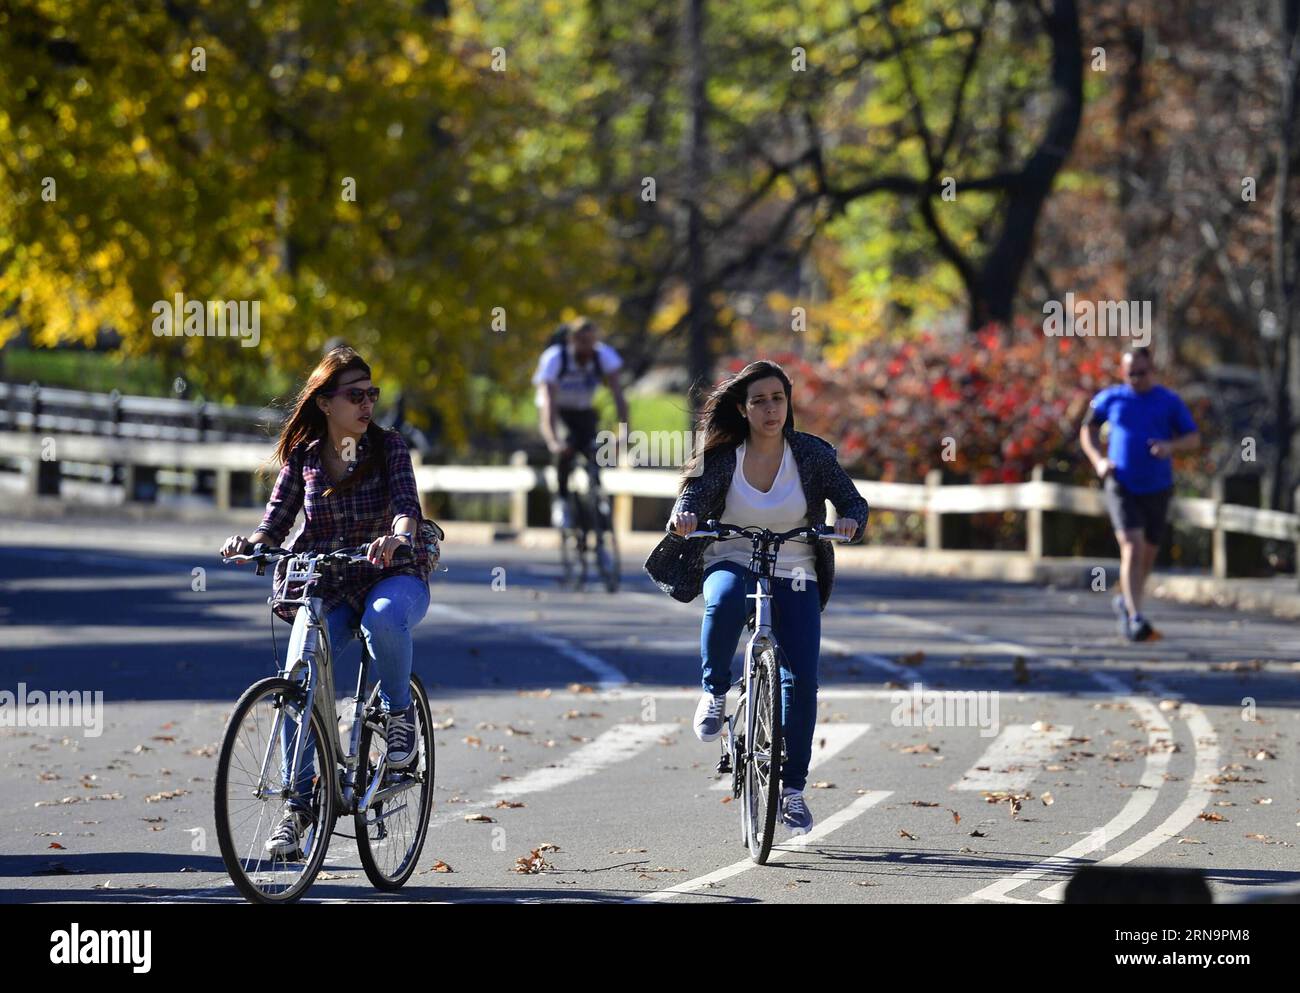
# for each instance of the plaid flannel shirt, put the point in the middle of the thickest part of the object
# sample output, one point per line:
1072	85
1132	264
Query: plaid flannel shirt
355	516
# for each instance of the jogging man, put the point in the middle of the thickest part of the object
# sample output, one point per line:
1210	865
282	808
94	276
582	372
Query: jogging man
1148	425
568	374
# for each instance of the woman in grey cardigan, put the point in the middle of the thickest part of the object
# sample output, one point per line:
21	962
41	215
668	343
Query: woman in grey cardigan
753	468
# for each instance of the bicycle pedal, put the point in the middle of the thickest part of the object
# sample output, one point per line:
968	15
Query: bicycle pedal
724	764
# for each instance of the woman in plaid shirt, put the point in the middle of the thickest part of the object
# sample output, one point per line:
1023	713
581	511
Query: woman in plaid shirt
354	483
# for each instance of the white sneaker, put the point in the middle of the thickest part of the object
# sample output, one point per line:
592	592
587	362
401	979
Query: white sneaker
709	716
560	515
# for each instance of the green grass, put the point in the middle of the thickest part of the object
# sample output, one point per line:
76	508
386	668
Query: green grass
97	372
658	412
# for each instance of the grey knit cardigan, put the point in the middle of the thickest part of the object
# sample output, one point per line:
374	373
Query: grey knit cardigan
677	564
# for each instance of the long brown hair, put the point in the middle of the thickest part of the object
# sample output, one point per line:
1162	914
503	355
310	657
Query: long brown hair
722	425
306	422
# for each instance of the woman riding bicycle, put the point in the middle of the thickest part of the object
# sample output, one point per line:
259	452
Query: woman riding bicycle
354	483
754	469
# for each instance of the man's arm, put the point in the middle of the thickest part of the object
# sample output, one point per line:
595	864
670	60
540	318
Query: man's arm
1090	438
615	383
546	415
1183	443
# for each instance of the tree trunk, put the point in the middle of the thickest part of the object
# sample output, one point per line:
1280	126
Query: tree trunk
1002	267
695	156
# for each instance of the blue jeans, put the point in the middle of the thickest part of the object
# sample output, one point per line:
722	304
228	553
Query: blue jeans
393	607
797	625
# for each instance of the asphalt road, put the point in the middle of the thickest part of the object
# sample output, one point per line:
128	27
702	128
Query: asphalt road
575	709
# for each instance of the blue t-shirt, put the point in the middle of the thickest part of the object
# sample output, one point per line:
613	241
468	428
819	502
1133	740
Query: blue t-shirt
1136	419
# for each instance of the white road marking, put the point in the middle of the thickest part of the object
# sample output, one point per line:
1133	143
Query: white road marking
820	830
1138	806
837	737
1014	759
606	675
1197	799
876	661
618	744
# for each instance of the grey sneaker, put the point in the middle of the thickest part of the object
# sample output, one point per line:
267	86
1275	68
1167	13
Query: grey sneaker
794	812
286	839
709	714
399	732
1121	617
1143	631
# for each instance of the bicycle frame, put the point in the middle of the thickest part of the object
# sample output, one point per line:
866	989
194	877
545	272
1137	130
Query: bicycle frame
314	668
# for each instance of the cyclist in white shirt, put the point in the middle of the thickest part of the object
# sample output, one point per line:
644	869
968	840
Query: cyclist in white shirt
568	374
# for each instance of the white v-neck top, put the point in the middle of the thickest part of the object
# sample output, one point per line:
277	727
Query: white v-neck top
781	508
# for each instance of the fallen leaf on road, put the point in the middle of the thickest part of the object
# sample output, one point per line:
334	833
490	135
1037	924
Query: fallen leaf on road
978	834
156	797
627	851
1209	815
906	834
1047	799
54	844
1263	754
532	863
479	819
1168	705
1262	800
823	786
577	715
1189	841
956	817
438	866
514	731
473	740
923	748
581	688
923	803
508	804
1042	726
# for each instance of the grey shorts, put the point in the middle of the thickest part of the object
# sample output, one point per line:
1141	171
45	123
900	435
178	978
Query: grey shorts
1145	512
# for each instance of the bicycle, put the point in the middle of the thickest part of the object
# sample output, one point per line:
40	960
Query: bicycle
752	748
390	808
591	529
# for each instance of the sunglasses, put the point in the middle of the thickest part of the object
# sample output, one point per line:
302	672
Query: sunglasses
356	395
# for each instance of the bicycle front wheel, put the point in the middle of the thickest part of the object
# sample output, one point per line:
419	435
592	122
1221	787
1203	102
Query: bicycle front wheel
253	788
391	833
761	788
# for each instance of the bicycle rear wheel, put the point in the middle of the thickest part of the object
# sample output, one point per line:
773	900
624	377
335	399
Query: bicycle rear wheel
252	790
391	833
762	783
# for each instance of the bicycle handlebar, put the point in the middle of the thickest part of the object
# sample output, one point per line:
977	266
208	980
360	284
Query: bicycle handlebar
719	529
262	555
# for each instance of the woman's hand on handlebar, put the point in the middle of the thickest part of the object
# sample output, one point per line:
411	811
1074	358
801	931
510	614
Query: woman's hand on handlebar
381	551
846	527
236	544
683	523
